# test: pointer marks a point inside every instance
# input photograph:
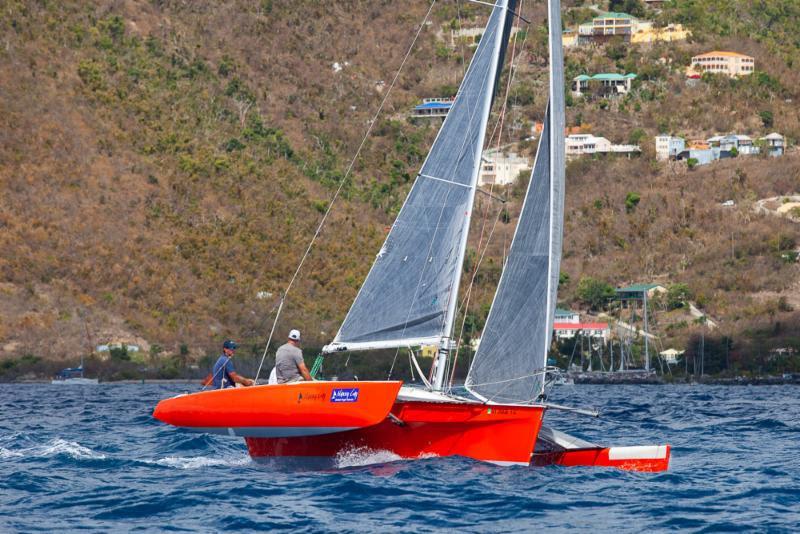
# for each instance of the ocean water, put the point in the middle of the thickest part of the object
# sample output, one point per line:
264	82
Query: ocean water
92	458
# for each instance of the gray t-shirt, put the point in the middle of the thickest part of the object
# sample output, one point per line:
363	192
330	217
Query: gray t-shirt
287	359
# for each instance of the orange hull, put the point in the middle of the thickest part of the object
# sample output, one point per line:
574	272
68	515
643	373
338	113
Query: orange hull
492	433
302	408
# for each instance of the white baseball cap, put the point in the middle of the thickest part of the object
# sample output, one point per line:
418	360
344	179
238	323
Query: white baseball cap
294	335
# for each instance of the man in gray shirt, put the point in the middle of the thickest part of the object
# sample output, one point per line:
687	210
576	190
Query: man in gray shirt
289	364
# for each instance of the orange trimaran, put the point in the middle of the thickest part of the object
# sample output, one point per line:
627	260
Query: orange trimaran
408	300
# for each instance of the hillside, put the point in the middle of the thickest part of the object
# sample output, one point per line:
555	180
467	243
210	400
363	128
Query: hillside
164	165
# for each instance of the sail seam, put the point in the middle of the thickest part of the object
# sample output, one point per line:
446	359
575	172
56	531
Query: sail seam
451	182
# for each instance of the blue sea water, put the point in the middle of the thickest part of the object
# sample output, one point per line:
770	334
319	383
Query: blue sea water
92	458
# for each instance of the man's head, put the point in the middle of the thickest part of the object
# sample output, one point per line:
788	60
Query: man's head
294	337
229	347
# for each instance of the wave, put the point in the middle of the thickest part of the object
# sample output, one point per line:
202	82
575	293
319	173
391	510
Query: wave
54	447
8	453
198	462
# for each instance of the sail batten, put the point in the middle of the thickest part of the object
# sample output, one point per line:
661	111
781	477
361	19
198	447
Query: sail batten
508	366
409	293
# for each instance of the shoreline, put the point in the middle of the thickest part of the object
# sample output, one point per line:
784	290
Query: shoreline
608	379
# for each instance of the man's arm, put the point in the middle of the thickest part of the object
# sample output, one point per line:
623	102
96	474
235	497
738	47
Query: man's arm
304	371
239	379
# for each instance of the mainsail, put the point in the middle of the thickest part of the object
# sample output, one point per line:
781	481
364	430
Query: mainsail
409	295
516	339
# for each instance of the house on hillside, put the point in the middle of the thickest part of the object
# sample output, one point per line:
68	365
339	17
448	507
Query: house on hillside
605	84
629	29
668	146
569	38
501	168
730	64
567	316
581	144
701	156
646	32
433	107
593	330
726	143
774	144
670	356
637	291
608	25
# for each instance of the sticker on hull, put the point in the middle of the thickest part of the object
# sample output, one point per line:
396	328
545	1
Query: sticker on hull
344	395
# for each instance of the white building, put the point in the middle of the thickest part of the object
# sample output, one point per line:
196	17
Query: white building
580	144
567	316
500	168
668	147
775	144
742	143
594	330
605	84
670	356
718	62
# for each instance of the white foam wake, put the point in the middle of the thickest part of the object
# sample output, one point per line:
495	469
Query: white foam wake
53	447
361	456
8	453
197	462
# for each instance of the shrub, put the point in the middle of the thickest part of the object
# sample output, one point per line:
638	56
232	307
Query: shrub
636	136
766	118
631	201
120	353
677	296
594	293
233	144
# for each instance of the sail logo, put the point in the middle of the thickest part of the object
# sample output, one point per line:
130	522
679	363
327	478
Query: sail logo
344	395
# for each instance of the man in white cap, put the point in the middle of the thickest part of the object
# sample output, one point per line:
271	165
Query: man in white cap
289	364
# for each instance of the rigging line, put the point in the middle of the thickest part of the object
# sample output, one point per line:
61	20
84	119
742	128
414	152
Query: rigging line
269	339
500	121
461	41
512	74
490	195
498	5
469	295
350	167
536	372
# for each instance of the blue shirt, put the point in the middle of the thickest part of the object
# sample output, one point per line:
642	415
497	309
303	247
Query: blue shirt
222	370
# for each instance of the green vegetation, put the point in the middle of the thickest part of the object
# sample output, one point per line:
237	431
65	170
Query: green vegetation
678	296
631	201
169	174
594	293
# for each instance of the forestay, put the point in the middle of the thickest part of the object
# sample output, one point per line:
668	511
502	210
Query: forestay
408	297
513	349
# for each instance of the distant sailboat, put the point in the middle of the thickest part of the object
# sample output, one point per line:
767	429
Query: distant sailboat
74	376
409	299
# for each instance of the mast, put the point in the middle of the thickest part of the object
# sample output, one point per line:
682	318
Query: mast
510	363
440	363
